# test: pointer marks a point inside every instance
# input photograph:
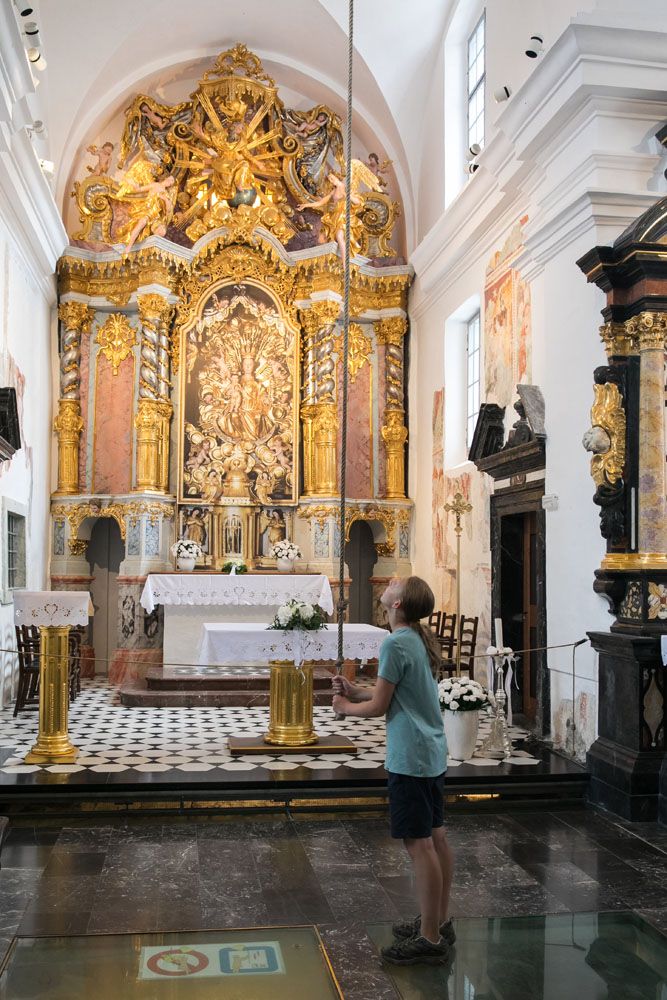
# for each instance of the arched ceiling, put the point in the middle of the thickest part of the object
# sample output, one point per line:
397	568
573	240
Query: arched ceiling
100	54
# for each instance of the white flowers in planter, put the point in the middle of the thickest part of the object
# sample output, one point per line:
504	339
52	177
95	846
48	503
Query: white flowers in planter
461	694
185	548
299	615
286	550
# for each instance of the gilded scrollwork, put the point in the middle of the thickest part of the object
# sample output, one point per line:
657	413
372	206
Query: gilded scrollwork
360	348
77	513
116	338
607	417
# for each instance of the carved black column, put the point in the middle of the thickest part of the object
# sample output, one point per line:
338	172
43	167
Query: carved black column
627	439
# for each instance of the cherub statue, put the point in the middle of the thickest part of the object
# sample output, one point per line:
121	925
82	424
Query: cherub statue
151	206
333	220
377	168
103	154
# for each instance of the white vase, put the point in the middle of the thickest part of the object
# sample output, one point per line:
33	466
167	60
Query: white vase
285	565
186	563
461	732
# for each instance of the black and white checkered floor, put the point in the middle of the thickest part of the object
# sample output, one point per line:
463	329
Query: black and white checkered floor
112	738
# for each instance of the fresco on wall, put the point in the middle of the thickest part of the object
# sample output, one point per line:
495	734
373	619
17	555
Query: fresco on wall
239	407
438	488
507	322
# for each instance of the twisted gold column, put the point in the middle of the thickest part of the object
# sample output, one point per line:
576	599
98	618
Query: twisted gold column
319	413
76	319
154	409
53	744
390	332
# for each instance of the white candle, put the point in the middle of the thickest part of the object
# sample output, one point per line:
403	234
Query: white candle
498	627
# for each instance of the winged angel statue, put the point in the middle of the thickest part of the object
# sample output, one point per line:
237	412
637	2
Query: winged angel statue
333	219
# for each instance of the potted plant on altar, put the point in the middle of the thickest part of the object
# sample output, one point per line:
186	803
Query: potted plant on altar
234	567
186	553
460	701
299	615
286	554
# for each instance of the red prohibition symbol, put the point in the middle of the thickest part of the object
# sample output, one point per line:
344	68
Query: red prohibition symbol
184	963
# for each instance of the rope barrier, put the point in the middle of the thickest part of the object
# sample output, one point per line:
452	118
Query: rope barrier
144	663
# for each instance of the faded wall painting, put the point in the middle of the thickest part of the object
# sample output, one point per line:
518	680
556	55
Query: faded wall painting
507	322
239	401
438	488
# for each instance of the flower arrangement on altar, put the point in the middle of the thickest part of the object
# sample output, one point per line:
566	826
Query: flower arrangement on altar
185	548
286	550
299	615
461	694
234	567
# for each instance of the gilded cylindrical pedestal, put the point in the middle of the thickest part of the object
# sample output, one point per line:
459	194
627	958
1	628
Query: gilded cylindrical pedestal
291	705
53	744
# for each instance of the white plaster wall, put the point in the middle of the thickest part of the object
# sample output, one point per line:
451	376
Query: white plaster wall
25	354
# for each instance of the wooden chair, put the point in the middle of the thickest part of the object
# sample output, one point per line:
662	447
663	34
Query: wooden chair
466	635
434	622
447	635
27	645
75	640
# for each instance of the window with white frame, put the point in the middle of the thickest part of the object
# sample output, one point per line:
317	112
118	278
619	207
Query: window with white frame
12	549
476	81
472	391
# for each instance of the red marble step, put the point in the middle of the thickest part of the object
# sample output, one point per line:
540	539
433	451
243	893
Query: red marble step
159	679
137	695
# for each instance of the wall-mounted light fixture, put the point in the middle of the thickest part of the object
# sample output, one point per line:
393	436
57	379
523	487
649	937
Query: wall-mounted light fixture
535	46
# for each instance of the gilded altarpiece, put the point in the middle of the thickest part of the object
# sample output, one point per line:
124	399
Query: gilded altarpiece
201	345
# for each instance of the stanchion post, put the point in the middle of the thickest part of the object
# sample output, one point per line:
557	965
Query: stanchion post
53	744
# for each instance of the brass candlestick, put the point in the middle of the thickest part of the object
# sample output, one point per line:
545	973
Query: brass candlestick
459	507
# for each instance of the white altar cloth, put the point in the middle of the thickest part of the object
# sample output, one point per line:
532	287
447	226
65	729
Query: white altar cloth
221	589
52	607
239	642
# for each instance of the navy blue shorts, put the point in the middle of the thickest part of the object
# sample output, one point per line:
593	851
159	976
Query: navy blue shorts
416	805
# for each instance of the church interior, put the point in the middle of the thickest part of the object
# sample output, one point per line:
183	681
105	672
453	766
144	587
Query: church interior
296	299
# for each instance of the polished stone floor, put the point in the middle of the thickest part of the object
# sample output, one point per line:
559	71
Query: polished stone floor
340	872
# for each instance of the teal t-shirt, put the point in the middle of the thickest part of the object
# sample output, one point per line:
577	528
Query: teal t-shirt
416	743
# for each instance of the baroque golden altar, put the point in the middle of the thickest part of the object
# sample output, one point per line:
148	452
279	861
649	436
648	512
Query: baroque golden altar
200	341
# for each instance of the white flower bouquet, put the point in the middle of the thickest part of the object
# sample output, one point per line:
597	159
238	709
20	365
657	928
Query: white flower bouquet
286	550
461	694
185	548
299	615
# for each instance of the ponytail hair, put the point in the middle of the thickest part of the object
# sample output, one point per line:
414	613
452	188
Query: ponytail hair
417	602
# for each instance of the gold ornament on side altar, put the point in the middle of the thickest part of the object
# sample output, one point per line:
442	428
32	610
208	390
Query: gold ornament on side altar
116	338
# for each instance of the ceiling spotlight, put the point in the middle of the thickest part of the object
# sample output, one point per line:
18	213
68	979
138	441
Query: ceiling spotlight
37	128
535	46
472	167
48	167
36	59
502	94
32	33
473	151
23	8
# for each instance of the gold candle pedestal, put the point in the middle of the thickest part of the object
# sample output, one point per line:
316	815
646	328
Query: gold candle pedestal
53	744
291	705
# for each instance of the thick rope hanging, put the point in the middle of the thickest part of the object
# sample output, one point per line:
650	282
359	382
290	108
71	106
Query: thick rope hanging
342	603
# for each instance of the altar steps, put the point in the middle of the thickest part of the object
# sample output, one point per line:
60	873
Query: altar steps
191	687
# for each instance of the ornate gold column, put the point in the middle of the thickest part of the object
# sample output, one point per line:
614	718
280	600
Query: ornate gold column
650	329
76	319
154	408
319	414
390	332
53	744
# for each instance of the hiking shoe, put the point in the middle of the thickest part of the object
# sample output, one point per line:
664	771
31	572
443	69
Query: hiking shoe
412	950
408	928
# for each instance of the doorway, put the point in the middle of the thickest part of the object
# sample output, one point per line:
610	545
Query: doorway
519	598
106	551
360	556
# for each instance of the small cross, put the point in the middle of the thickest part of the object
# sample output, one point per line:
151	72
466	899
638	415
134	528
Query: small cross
460	507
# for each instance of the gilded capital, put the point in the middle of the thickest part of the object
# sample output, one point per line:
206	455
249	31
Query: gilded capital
618	340
76	316
324	312
650	329
391	330
153	307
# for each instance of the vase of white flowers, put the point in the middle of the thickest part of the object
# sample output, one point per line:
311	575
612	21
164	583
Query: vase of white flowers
299	615
186	553
460	701
286	553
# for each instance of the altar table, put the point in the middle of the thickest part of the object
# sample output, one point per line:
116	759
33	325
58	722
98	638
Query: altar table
192	599
291	654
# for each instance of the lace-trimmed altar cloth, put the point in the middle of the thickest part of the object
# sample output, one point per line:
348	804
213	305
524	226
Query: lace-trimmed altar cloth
52	607
232	642
220	589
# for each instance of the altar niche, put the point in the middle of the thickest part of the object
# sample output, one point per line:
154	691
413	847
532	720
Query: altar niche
239	388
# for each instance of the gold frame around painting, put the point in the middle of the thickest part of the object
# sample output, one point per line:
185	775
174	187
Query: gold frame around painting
196	314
